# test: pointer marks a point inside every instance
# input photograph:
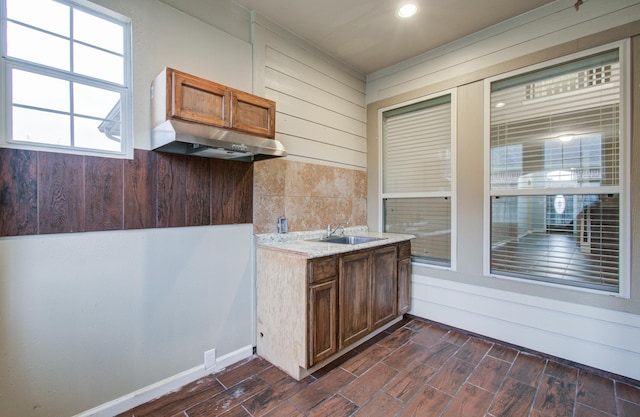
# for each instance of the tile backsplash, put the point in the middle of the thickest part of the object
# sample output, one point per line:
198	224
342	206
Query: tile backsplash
309	195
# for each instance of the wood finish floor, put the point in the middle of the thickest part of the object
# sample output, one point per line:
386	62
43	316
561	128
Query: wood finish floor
414	369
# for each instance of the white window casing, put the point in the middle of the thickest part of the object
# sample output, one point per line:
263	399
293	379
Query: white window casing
417	166
66	78
556	208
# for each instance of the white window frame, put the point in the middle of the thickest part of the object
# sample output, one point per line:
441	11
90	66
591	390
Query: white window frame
452	194
125	90
624	251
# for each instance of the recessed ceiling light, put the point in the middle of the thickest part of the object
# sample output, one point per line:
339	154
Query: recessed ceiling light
407	10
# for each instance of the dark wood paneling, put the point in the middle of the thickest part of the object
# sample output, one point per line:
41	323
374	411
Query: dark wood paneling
172	190
140	190
243	197
45	192
231	192
18	193
61	195
198	191
103	193
222	189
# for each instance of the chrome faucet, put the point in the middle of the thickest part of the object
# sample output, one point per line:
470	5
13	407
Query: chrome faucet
331	232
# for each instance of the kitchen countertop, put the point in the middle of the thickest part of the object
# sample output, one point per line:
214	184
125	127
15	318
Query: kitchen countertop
301	243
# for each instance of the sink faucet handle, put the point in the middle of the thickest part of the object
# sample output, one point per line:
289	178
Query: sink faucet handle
340	225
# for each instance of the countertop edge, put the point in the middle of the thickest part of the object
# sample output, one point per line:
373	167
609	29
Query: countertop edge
314	249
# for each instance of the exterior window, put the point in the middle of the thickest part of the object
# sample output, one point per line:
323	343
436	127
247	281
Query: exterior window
417	167
556	194
67	75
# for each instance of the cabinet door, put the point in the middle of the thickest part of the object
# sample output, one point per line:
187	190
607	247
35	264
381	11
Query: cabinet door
252	114
384	292
323	308
404	285
354	300
197	100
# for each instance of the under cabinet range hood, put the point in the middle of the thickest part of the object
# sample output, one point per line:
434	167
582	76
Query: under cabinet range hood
190	138
194	116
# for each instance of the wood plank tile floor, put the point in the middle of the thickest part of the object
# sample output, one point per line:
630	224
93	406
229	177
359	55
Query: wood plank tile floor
416	368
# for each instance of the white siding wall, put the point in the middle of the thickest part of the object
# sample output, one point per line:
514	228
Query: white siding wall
321	114
597	330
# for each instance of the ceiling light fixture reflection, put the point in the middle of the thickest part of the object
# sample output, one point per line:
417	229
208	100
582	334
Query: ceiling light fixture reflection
499	105
407	10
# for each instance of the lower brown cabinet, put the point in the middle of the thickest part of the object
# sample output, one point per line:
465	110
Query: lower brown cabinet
352	295
345	298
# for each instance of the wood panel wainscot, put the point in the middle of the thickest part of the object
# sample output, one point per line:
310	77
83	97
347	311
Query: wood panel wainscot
48	192
312	310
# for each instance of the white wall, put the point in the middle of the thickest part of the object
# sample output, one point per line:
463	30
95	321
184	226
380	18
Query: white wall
87	318
320	103
593	329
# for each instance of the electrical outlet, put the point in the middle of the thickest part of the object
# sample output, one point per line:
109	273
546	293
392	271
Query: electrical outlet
210	359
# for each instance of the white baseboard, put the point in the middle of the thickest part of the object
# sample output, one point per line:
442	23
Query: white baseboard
160	388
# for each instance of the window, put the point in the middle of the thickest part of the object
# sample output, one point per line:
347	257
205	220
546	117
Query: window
67	75
417	184
556	155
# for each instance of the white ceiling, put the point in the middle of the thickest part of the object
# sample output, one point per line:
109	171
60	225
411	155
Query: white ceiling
367	35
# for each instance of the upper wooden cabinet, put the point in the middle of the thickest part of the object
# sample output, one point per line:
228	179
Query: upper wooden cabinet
178	95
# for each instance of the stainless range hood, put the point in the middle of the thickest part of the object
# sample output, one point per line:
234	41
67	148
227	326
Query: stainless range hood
202	140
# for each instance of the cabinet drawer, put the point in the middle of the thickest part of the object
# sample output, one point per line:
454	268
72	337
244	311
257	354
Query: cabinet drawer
404	250
322	269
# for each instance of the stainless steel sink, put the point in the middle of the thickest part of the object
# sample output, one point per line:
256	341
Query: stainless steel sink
349	240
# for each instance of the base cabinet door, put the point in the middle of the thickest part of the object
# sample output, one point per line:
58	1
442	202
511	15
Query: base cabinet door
404	277
354	299
383	285
323	308
404	286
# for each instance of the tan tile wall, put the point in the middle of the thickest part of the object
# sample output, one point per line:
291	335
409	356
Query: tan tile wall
309	195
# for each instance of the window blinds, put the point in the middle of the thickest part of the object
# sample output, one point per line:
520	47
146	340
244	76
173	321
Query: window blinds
416	150
416	176
555	173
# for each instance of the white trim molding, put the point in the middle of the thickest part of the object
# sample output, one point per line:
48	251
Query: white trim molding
160	388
